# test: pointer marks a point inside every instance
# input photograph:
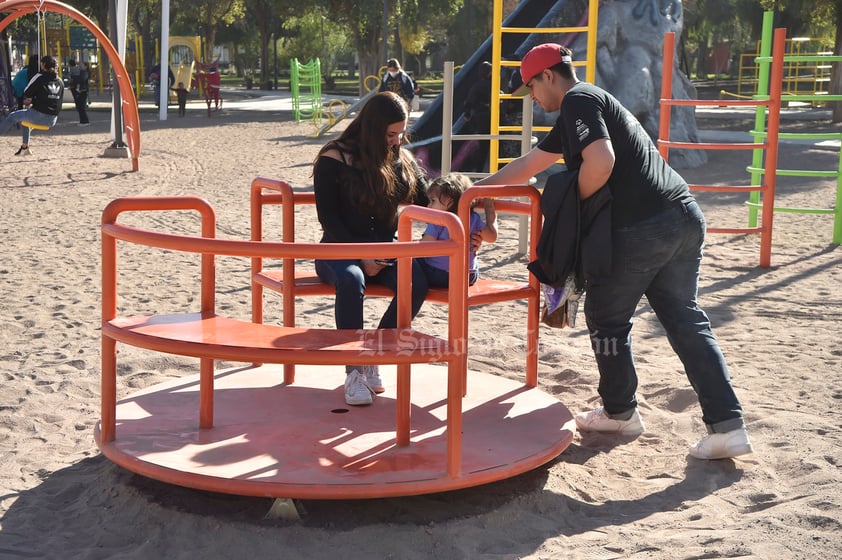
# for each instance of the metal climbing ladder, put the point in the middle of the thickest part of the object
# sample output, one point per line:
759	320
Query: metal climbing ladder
587	24
769	145
306	86
756	169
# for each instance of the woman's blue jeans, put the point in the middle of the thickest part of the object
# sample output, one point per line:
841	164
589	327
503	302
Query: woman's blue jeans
659	258
29	115
348	278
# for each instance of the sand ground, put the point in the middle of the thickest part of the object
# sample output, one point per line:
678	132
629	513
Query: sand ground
602	498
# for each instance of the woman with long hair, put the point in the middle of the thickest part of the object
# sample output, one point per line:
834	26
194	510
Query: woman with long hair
360	179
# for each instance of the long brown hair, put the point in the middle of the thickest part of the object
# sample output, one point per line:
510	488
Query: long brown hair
364	141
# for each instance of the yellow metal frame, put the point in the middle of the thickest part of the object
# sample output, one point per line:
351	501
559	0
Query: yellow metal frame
809	76
589	63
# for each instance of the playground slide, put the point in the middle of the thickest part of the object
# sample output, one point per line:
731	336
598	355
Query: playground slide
184	74
426	131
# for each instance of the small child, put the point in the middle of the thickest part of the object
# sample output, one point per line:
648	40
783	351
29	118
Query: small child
444	194
181	92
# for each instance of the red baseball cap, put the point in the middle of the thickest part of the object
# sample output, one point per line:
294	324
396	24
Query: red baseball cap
536	61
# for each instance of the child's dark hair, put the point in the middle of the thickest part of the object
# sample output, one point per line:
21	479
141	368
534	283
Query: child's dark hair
451	186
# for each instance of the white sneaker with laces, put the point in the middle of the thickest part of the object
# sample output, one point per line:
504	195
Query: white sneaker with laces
722	446
372	376
597	420
357	391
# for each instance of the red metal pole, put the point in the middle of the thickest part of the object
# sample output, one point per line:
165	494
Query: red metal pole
771	168
666	93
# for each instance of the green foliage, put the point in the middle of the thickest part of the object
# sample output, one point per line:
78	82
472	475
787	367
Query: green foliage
423	21
314	35
468	29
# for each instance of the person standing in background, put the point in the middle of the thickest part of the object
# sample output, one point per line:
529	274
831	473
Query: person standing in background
21	79
181	93
398	81
79	80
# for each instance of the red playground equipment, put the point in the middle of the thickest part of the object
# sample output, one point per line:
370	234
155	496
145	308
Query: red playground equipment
209	84
252	430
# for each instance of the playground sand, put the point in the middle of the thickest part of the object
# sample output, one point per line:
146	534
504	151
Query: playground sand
602	498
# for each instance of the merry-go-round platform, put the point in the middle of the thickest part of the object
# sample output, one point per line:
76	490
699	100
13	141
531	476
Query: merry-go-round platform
302	441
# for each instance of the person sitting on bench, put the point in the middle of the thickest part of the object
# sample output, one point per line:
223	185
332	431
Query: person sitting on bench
360	179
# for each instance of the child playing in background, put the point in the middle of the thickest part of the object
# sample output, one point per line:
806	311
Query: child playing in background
444	194
181	92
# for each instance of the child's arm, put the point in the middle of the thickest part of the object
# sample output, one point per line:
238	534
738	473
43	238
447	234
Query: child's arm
431	233
489	232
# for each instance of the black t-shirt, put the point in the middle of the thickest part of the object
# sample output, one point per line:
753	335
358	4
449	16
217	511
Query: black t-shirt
642	183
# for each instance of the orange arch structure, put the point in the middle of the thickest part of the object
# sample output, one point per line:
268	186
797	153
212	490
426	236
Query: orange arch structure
131	119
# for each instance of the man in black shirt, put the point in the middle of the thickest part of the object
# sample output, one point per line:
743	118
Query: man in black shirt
46	91
656	234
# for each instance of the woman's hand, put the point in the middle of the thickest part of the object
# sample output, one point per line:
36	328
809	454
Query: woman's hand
371	267
476	242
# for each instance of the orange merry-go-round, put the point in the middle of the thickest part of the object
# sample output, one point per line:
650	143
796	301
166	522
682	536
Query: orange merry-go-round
275	424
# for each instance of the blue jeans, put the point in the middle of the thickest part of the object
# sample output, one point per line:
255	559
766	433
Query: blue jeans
29	115
438	278
348	278
660	258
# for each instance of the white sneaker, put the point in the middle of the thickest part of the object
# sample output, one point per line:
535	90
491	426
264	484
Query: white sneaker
372	376
357	391
597	420
722	446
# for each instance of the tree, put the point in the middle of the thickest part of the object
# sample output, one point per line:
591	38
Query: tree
363	20
828	14
267	17
144	18
243	41
209	16
314	35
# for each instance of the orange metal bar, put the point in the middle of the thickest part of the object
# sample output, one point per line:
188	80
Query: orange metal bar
403	405
256	213
533	210
770	177
286	197
711	145
722	188
666	93
108	383
208	246
109	300
206	393
735	230
716	103
458	314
